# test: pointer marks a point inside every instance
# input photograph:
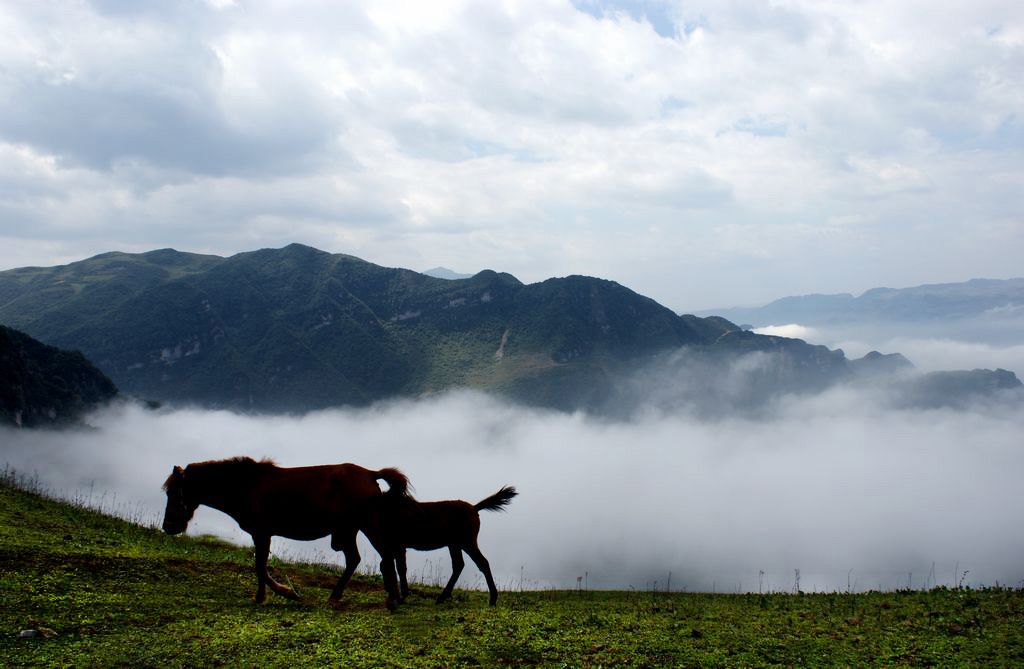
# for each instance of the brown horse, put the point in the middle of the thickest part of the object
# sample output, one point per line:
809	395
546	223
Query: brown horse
265	500
397	522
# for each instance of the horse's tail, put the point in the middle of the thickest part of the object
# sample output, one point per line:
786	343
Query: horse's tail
398	483
498	501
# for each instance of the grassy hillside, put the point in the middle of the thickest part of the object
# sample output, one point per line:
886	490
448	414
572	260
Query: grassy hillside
105	592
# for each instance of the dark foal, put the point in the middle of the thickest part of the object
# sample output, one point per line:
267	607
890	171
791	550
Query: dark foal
295	502
397	522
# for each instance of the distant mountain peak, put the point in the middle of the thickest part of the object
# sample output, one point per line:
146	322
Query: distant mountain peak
445	273
929	302
300	245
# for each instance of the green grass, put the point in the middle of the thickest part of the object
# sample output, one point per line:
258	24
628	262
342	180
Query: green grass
120	594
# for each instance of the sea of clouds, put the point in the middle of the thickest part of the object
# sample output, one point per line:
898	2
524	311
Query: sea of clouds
991	340
852	493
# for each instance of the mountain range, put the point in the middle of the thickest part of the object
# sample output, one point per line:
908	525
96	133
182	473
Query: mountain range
298	329
931	303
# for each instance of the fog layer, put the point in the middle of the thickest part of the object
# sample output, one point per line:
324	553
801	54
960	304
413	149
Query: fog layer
850	493
989	341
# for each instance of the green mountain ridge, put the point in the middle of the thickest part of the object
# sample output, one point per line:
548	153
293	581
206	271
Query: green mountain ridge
297	329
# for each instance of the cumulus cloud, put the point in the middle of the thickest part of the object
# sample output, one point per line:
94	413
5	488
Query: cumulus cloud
179	105
826	484
650	142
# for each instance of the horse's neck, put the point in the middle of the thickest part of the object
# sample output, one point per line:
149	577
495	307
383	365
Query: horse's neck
221	500
407	505
228	492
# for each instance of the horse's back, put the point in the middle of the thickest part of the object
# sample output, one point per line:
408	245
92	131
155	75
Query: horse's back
439	524
345	481
307	502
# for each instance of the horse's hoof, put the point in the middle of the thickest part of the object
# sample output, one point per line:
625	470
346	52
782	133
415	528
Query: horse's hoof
391	604
335	604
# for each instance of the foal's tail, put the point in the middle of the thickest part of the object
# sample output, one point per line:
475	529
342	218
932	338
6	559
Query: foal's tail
398	483
498	501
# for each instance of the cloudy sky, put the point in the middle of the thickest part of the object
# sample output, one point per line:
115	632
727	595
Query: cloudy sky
703	153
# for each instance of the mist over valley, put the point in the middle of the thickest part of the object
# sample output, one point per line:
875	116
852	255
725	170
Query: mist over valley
825	484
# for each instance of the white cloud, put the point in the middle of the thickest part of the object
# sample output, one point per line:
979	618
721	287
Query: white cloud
540	138
990	341
793	330
938	354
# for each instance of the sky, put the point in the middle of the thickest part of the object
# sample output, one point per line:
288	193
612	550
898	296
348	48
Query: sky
706	154
842	486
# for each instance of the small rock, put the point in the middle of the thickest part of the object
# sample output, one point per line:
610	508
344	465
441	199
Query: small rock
45	632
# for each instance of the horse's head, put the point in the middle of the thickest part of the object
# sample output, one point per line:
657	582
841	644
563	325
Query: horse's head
180	505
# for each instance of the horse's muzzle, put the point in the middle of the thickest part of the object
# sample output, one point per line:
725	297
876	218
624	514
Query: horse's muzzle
171	528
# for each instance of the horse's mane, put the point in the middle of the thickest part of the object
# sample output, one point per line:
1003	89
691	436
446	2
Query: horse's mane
237	466
239	461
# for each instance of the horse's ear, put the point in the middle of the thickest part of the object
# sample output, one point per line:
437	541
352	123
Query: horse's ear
177	474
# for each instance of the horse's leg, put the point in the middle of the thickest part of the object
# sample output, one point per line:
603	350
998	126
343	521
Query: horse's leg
457	564
387	571
382	543
345	541
264	579
402	582
262	545
473	551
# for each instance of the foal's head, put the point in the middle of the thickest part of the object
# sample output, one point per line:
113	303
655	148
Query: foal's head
180	505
